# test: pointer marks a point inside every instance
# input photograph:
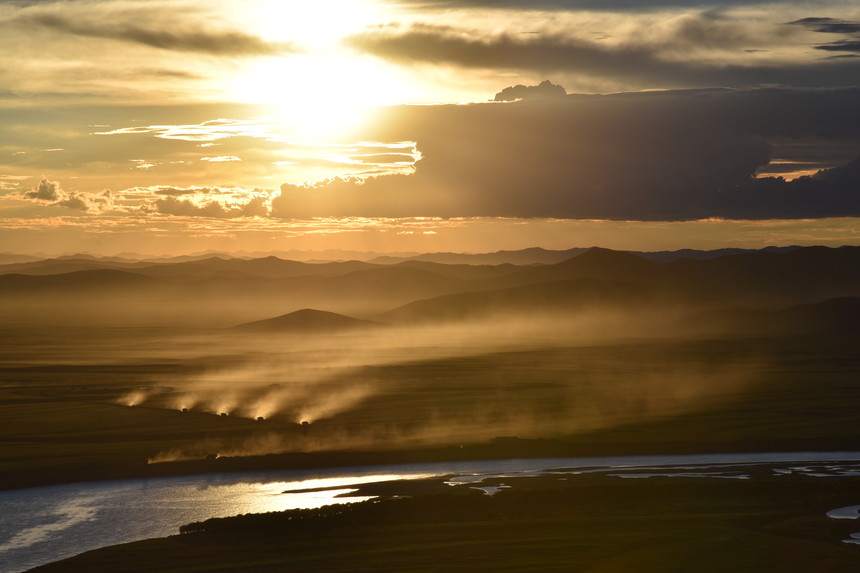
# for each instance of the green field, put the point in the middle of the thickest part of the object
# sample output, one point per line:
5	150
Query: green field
66	418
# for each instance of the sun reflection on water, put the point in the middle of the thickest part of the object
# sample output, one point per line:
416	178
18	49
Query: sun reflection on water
240	498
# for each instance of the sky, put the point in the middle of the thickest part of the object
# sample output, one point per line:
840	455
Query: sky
169	127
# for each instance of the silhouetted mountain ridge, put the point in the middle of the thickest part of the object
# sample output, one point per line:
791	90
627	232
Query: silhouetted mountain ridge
307	320
765	278
806	274
584	294
595	263
78	282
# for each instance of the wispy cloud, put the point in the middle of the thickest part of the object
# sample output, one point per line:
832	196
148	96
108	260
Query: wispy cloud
824	25
166	33
568	5
221	158
207	131
683	51
828	25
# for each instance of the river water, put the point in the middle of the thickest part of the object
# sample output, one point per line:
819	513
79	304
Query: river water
44	524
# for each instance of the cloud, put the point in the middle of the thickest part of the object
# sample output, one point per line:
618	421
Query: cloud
46	191
221	158
174	192
381	158
829	193
208	131
692	50
833	26
681	155
167	31
828	25
841	46
447	45
218	208
596	5
544	89
51	193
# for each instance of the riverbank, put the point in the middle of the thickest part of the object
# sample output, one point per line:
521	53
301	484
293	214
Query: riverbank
560	522
501	448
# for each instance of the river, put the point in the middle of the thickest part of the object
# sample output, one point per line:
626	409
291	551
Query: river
44	524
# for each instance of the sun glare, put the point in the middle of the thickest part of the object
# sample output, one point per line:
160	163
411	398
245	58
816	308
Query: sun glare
315	25
318	95
320	89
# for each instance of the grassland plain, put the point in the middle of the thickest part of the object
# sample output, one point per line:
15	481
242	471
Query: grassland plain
65	419
110	388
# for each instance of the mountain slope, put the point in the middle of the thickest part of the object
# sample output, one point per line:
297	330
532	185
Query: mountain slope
595	263
838	316
307	320
103	281
807	274
556	297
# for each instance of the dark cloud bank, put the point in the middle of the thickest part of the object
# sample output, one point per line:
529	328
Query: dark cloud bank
834	26
641	156
634	63
564	5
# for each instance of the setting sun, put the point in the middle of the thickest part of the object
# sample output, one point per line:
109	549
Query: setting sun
317	25
318	95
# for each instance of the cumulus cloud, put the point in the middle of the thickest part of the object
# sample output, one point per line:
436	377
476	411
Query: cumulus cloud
544	89
51	193
196	204
46	191
648	156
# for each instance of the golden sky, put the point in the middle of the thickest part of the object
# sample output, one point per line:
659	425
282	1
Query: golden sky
171	127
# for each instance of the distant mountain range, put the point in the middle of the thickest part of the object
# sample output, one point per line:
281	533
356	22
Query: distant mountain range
529	256
539	256
103	281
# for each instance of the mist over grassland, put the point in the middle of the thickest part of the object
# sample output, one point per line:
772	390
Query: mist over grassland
109	368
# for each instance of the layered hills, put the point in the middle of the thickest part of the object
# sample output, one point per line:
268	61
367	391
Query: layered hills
718	286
